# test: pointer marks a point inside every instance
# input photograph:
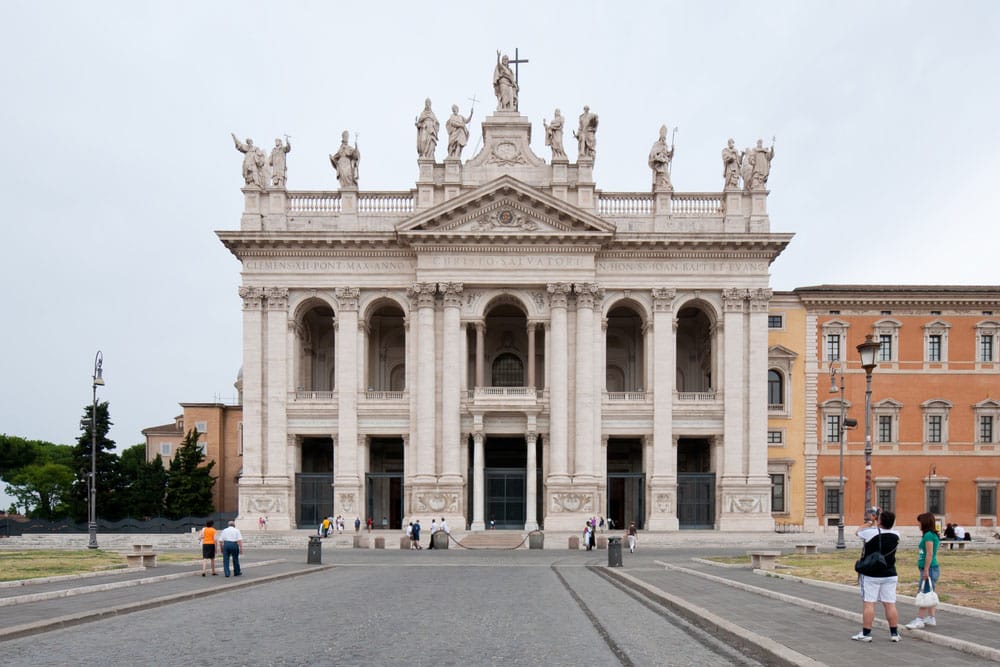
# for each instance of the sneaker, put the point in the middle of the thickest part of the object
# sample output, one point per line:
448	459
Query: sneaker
894	638
930	620
862	637
916	624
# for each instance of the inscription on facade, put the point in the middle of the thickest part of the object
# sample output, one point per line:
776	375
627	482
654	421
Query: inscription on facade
668	266
507	262
332	265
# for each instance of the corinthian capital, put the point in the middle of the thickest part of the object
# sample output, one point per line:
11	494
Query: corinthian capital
663	298
558	294
733	299
422	294
587	294
452	293
252	297
277	298
759	299
347	297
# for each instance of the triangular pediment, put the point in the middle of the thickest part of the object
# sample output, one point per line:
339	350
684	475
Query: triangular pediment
505	208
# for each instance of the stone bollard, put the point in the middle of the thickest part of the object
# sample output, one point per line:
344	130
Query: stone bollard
440	540
404	542
602	542
380	543
536	540
574	542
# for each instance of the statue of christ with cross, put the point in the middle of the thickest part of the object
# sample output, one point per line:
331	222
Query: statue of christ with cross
505	84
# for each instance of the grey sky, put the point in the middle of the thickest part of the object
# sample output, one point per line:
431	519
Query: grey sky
120	166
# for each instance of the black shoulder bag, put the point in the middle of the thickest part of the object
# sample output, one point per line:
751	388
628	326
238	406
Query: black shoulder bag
874	563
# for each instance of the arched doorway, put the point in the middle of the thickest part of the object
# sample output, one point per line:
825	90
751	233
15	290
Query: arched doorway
625	358
695	368
386	349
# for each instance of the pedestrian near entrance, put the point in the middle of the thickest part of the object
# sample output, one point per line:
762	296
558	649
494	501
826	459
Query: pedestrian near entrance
927	564
416	534
357	524
632	537
207	536
880	585
231	540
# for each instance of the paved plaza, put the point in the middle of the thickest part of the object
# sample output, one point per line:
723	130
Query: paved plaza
460	607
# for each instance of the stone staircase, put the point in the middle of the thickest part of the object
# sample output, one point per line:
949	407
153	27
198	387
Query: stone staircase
495	539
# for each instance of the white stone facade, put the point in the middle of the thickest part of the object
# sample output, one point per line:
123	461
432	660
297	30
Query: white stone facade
506	343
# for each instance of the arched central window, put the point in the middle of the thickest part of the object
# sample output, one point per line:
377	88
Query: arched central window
508	371
775	391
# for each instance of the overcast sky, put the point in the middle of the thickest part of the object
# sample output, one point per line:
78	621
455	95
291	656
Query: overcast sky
120	166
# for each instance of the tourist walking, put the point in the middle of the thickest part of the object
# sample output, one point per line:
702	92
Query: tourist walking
927	564
416	534
434	529
632	537
879	584
231	540
207	537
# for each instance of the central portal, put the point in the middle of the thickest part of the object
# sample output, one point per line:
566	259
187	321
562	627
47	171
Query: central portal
505	490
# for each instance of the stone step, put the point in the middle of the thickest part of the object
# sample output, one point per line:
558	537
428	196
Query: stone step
495	539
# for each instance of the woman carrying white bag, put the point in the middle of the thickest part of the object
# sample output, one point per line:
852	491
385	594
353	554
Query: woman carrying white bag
927	563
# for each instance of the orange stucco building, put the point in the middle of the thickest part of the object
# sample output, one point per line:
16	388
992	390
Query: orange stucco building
935	401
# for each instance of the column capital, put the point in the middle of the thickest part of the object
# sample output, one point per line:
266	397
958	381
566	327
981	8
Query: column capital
558	294
452	293
663	299
253	297
347	297
733	299
422	294
532	325
587	294
530	437
277	298
759	299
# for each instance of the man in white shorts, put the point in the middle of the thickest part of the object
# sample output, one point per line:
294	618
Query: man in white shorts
880	584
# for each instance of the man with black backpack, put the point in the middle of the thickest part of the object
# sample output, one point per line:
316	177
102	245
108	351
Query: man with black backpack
877	576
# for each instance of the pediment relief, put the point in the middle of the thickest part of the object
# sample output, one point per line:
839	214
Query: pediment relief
781	352
505	207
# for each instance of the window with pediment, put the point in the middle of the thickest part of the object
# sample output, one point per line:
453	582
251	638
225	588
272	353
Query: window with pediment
780	360
834	340
987	336
886	332
936	342
987	416
936	421
886	415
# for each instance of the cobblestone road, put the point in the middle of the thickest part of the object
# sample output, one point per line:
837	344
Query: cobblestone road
548	611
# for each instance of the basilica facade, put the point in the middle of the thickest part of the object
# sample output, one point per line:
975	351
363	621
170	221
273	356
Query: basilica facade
505	344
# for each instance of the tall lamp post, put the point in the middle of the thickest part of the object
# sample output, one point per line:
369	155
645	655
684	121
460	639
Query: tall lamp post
840	432
868	351
92	504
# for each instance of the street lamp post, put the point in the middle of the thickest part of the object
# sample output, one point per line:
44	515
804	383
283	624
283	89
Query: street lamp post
841	433
868	351
92	504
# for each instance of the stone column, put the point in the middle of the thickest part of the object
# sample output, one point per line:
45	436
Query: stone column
451	472
478	480
480	352
363	362
531	354
558	386
584	390
276	393
530	482
253	393
346	477
425	468
547	365
663	484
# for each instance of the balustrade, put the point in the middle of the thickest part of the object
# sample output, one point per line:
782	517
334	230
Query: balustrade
696	204
625	203
314	202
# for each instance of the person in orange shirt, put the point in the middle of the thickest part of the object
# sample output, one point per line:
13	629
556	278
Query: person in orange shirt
207	535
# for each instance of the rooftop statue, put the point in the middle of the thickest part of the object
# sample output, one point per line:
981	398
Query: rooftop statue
660	157
458	132
504	85
345	162
554	136
730	166
277	161
253	162
746	167
427	131
586	136
761	165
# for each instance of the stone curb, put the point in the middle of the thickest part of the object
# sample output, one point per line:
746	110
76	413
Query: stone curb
98	588
17	631
931	638
776	654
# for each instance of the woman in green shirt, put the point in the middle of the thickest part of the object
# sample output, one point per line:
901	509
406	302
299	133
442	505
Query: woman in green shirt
928	566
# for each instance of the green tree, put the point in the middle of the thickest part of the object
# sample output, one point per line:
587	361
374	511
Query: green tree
110	503
43	489
189	483
145	482
15	453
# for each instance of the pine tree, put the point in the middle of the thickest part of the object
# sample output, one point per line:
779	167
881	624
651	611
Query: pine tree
189	483
145	482
110	504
